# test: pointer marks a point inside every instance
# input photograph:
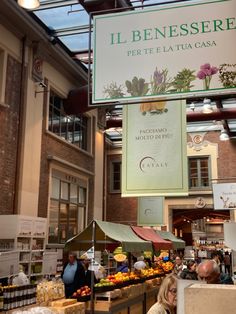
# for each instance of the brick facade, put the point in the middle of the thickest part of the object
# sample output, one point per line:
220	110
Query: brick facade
120	209
9	132
53	146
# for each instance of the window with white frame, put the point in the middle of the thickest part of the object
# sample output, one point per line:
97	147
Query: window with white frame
199	172
72	128
67	212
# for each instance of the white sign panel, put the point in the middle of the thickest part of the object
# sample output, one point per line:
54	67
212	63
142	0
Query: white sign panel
150	211
9	263
49	263
230	235
165	52
154	159
40	227
224	195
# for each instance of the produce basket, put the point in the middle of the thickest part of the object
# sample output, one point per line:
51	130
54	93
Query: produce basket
84	298
104	288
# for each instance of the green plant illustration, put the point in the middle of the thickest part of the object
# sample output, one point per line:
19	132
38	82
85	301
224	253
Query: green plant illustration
137	87
160	83
227	75
182	81
113	90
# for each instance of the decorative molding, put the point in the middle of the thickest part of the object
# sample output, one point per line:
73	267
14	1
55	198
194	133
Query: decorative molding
200	202
198	143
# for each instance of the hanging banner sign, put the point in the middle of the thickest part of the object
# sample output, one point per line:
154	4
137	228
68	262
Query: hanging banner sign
167	52
154	158
224	195
150	211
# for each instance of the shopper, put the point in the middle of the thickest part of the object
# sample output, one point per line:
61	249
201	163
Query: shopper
140	264
179	266
209	272
86	261
190	272
227	262
73	275
122	267
167	297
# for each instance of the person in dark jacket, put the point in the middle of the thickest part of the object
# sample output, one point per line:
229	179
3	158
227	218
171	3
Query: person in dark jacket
86	261
189	272
73	275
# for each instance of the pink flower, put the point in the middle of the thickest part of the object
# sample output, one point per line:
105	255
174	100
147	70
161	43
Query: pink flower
214	70
205	74
201	75
205	66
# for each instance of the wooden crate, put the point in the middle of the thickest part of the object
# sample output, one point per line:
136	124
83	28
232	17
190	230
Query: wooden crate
136	308
125	311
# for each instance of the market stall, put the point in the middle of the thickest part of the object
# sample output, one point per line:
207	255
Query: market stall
99	234
177	243
150	235
121	293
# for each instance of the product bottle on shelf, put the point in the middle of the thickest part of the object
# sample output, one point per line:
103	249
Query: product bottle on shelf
1	298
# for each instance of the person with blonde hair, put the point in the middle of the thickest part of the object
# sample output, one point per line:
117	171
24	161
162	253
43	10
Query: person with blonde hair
167	297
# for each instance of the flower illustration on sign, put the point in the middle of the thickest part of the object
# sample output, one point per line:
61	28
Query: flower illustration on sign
205	73
160	83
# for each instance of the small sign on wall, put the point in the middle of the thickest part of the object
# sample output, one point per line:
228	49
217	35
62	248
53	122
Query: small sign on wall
150	211
224	195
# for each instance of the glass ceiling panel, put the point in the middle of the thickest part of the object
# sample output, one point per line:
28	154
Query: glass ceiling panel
64	17
75	43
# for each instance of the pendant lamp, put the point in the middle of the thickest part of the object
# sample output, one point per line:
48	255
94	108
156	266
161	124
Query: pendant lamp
29	4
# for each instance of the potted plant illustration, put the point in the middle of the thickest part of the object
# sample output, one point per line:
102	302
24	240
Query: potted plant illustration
182	81
113	90
205	74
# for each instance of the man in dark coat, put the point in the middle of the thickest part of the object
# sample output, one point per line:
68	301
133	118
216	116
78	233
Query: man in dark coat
73	275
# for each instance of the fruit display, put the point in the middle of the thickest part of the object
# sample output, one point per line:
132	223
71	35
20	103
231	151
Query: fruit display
166	266
81	293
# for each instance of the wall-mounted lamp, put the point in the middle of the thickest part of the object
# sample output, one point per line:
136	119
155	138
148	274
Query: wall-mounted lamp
42	85
224	136
29	4
192	106
207	108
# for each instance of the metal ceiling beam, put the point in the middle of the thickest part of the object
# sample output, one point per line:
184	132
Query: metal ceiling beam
75	30
219	114
51	4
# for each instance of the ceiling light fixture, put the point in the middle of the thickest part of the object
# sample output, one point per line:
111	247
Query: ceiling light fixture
29	4
224	136
207	108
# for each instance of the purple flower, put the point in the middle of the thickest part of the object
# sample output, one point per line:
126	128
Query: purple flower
201	75
158	77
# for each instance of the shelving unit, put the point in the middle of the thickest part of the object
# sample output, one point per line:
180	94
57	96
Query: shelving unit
109	263
25	235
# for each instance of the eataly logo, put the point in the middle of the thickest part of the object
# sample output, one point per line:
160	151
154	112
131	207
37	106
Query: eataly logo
148	163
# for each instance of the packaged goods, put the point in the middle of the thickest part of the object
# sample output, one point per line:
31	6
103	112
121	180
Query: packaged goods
48	291
77	308
63	302
35	310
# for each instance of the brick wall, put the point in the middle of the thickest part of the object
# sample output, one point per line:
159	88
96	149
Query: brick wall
118	209
9	122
